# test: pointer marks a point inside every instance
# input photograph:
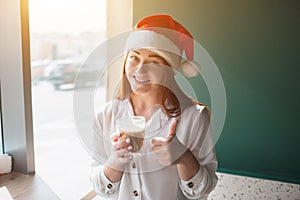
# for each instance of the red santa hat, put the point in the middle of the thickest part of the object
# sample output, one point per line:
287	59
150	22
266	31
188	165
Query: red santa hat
168	38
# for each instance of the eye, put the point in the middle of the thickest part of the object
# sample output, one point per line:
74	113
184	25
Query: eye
154	62
133	58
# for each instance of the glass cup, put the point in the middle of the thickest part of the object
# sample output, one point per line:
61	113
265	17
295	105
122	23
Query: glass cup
133	127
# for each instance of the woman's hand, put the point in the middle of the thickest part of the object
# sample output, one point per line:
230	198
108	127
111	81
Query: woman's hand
121	147
169	150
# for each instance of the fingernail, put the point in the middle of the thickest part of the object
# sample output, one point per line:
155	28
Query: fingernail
127	140
130	148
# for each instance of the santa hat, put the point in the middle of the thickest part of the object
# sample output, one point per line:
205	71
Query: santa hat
168	38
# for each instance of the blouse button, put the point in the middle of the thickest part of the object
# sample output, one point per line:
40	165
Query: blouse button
190	184
109	186
135	193
134	165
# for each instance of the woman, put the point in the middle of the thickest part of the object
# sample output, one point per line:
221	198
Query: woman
178	160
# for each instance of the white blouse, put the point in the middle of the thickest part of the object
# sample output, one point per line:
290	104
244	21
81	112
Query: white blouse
144	178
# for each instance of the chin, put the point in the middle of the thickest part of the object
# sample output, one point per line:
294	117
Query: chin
142	89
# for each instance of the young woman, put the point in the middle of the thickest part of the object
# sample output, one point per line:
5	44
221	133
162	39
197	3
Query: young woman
177	160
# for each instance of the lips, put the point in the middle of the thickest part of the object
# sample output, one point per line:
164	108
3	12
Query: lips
141	80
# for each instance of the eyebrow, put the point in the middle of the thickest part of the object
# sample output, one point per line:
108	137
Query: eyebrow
155	56
150	56
136	52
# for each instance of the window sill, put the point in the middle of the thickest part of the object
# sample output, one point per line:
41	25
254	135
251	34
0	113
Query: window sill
26	186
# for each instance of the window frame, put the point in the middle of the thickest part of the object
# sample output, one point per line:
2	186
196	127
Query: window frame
17	128
1	130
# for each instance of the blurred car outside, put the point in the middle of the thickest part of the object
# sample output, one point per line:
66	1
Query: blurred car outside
61	74
38	71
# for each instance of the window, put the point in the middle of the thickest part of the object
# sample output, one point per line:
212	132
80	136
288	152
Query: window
63	34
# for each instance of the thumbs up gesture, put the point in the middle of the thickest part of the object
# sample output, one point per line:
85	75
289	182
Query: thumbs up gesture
168	150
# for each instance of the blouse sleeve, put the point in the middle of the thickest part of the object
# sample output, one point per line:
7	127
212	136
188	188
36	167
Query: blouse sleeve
202	146
102	185
99	181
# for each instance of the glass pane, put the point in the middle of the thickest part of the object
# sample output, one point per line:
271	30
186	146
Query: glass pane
63	34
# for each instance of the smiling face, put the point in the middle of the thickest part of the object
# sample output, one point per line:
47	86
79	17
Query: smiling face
146	70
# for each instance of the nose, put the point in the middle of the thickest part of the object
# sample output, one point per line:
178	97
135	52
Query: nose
142	68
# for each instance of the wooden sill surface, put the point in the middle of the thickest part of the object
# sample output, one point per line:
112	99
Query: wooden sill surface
90	195
26	186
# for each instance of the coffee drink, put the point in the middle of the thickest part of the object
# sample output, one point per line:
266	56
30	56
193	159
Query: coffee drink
133	128
136	139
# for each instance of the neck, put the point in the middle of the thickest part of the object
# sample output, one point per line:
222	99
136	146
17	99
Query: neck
144	104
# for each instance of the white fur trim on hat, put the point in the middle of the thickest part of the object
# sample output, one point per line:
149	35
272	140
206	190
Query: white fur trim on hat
157	43
150	39
164	47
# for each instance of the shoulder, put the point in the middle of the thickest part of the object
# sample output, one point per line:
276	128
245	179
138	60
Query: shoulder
194	117
196	111
193	123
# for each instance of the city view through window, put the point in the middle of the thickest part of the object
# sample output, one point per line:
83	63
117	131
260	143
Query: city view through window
62	35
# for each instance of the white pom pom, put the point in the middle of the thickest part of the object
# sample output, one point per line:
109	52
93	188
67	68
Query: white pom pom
190	68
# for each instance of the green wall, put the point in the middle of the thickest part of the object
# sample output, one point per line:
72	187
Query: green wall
256	46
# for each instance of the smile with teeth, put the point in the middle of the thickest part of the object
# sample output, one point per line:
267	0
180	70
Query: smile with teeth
140	80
